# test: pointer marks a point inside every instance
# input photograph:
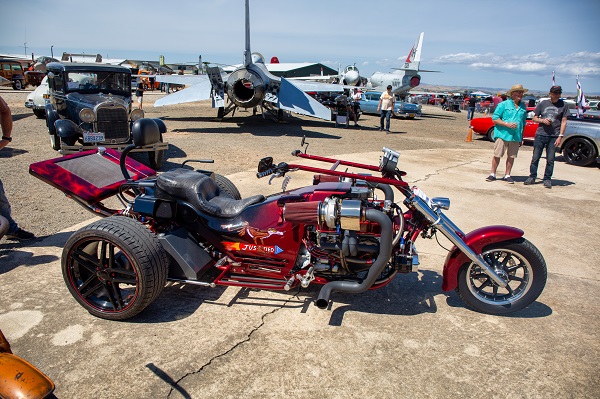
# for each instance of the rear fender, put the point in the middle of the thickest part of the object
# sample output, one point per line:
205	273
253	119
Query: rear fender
476	240
67	128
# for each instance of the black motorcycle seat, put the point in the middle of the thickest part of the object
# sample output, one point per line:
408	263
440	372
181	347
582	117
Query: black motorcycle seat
201	192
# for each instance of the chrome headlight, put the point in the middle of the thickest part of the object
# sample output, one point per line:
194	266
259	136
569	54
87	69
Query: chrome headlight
136	114
87	115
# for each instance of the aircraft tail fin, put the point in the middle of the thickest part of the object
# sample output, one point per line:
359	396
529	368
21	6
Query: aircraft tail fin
247	52
413	59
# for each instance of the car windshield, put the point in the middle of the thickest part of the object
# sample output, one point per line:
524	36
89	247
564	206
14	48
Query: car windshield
113	82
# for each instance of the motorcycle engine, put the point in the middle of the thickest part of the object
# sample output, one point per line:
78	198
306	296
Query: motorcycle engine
339	239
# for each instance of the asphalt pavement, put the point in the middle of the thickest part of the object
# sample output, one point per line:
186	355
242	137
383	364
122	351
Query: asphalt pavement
409	339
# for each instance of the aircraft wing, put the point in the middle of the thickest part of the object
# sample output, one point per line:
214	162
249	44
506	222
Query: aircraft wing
181	79
4	82
197	92
293	99
319	86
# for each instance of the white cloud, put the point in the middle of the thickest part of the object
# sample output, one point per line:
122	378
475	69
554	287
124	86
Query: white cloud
582	63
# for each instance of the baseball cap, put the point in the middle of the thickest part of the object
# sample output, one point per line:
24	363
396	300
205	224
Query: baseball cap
556	89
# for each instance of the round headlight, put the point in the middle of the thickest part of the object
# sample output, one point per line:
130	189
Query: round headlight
87	115
136	114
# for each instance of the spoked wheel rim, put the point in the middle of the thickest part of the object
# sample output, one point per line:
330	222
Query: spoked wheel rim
103	275
512	267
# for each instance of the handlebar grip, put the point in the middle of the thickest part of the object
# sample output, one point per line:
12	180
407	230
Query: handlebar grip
265	173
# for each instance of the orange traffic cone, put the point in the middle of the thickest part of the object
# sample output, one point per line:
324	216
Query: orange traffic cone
470	136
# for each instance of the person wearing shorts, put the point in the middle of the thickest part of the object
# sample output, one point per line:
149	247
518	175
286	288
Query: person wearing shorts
139	94
509	119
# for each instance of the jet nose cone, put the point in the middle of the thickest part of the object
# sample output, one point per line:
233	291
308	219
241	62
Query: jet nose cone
351	77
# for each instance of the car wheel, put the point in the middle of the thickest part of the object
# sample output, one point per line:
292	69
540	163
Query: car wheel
55	141
114	267
17	84
490	134
39	113
72	140
579	151
156	159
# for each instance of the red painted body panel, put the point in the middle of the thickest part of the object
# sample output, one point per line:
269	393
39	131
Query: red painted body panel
476	240
75	186
482	125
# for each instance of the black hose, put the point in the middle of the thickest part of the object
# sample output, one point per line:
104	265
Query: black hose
385	251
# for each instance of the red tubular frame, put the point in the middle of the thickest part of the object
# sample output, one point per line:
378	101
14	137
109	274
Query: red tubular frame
396	183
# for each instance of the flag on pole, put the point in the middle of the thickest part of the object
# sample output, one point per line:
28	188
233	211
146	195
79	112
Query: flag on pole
553	80
581	103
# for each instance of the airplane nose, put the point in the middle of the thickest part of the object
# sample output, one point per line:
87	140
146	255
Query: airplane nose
351	77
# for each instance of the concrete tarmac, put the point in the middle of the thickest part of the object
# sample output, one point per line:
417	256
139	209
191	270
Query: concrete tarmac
409	339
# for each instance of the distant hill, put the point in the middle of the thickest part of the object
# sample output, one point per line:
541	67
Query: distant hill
492	90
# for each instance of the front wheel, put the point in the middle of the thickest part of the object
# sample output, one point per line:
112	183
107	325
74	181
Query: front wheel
490	134
518	262
114	267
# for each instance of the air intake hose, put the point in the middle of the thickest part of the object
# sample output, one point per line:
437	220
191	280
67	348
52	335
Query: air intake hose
385	251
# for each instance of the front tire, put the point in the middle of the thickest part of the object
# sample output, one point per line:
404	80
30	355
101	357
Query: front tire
39	113
579	151
18	84
114	267
490	134
156	159
55	141
517	261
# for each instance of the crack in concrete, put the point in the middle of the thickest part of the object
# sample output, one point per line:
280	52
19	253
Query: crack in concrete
175	385
438	171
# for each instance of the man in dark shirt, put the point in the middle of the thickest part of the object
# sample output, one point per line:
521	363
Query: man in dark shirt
471	110
139	94
551	115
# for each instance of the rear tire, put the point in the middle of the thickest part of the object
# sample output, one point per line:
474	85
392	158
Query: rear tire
519	262
490	134
579	151
114	267
227	185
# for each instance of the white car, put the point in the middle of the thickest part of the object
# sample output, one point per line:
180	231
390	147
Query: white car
36	100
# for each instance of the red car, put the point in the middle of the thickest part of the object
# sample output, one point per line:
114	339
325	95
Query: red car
485	127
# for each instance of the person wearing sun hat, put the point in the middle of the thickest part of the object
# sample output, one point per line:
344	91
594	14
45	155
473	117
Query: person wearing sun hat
509	119
552	118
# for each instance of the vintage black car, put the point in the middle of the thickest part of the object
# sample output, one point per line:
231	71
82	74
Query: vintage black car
91	106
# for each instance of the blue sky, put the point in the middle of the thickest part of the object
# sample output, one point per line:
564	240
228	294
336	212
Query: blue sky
474	43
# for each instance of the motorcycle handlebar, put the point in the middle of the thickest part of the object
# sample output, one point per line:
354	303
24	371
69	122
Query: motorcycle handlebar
265	173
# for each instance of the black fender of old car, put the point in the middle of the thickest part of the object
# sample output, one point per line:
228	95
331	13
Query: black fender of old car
162	128
66	129
51	117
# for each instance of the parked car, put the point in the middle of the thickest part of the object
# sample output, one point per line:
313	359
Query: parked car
91	105
36	100
12	71
485	127
580	146
370	100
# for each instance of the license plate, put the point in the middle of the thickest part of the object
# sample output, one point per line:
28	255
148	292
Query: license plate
411	115
93	137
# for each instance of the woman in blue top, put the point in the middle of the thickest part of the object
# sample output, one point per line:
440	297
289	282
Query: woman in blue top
509	119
